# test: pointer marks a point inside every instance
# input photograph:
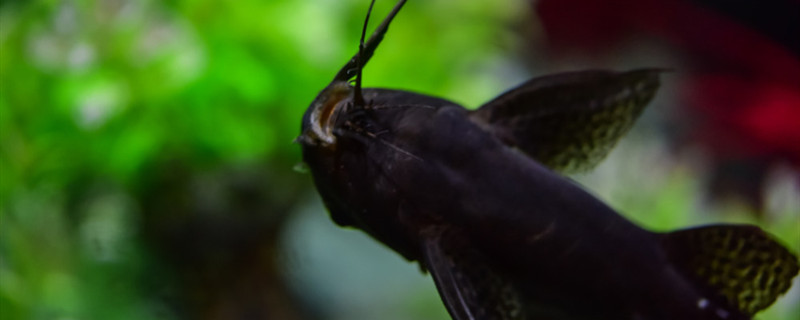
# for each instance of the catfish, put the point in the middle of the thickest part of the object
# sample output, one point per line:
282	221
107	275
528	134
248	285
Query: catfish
480	200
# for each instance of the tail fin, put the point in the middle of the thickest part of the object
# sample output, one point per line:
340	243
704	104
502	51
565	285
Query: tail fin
740	264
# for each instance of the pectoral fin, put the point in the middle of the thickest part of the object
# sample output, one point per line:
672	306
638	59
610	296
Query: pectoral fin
740	264
468	287
570	121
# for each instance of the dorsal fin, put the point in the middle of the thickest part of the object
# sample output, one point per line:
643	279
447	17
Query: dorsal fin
569	121
741	264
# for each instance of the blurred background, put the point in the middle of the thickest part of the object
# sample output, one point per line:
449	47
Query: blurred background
147	169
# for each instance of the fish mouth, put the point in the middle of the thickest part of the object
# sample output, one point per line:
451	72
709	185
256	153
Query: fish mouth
320	118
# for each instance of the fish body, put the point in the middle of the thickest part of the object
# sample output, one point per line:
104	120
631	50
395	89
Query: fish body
479	199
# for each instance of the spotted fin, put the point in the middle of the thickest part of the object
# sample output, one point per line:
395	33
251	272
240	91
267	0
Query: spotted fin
468	287
570	121
740	264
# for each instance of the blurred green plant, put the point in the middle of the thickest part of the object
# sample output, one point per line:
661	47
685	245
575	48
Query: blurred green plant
104	102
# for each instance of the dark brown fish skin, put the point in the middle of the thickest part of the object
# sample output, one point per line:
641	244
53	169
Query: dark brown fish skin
409	165
471	196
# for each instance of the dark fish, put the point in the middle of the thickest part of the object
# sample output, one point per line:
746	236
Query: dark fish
476	197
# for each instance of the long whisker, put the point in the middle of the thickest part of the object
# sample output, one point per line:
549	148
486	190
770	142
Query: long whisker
358	99
390	145
384	107
360	134
345	73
